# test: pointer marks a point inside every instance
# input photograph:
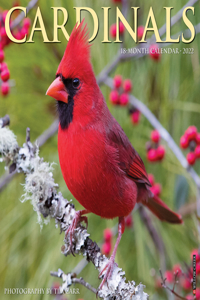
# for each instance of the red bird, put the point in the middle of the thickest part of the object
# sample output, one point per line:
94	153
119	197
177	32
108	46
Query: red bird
99	165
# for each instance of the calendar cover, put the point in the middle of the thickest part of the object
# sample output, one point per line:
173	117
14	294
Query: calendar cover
99	149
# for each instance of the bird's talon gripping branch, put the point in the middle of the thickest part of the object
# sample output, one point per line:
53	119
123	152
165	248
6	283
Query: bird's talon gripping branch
109	269
78	218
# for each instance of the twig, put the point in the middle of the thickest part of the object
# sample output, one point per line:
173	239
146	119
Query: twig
85	284
20	17
61	274
163	283
5	121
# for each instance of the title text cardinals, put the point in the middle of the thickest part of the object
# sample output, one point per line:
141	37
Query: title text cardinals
119	18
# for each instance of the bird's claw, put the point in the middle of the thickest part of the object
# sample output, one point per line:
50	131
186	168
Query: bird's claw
109	269
71	229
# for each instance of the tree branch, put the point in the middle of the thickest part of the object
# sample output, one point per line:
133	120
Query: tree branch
41	189
63	276
21	16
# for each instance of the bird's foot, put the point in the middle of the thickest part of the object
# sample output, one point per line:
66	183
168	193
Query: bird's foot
109	269
71	229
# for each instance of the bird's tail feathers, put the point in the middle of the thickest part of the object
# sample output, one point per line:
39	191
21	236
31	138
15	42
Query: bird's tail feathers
162	211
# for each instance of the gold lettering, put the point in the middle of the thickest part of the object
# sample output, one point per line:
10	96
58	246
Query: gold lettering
189	25
95	19
154	28
7	25
38	17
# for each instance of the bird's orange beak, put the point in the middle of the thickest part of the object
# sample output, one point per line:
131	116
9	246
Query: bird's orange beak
58	91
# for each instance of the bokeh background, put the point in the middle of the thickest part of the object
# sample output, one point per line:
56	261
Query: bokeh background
170	88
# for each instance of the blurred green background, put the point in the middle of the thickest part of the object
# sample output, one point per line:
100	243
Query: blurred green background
170	88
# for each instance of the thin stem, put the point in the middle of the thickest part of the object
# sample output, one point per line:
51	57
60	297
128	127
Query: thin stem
166	287
85	284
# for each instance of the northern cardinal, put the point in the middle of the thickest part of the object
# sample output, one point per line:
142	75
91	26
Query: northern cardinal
99	165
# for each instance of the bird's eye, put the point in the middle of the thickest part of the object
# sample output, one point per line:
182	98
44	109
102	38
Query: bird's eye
75	83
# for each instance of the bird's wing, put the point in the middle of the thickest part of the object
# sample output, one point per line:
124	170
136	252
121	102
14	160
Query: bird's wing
129	159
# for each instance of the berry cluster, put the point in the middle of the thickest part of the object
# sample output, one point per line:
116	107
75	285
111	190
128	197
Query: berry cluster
18	33
155	152
107	245
191	139
184	279
113	29
120	96
156	188
135	115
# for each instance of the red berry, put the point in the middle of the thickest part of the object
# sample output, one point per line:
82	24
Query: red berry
107	234
198	269
160	152
121	28
24	31
156	189
27	23
191	158
190	297
18	35
1	56
140	32
129	221
114	97
184	142
4	15
152	155
186	283
151	179
4	66
3	32
158	284
106	248
191	133
169	276
155	136
135	117
154	52
5	88
195	252
127	85
197	151
117	1
197	293
123	99
198	138
55	288
177	269
113	30
117	81
5	75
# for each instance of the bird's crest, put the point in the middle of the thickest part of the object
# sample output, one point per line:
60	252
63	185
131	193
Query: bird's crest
77	53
